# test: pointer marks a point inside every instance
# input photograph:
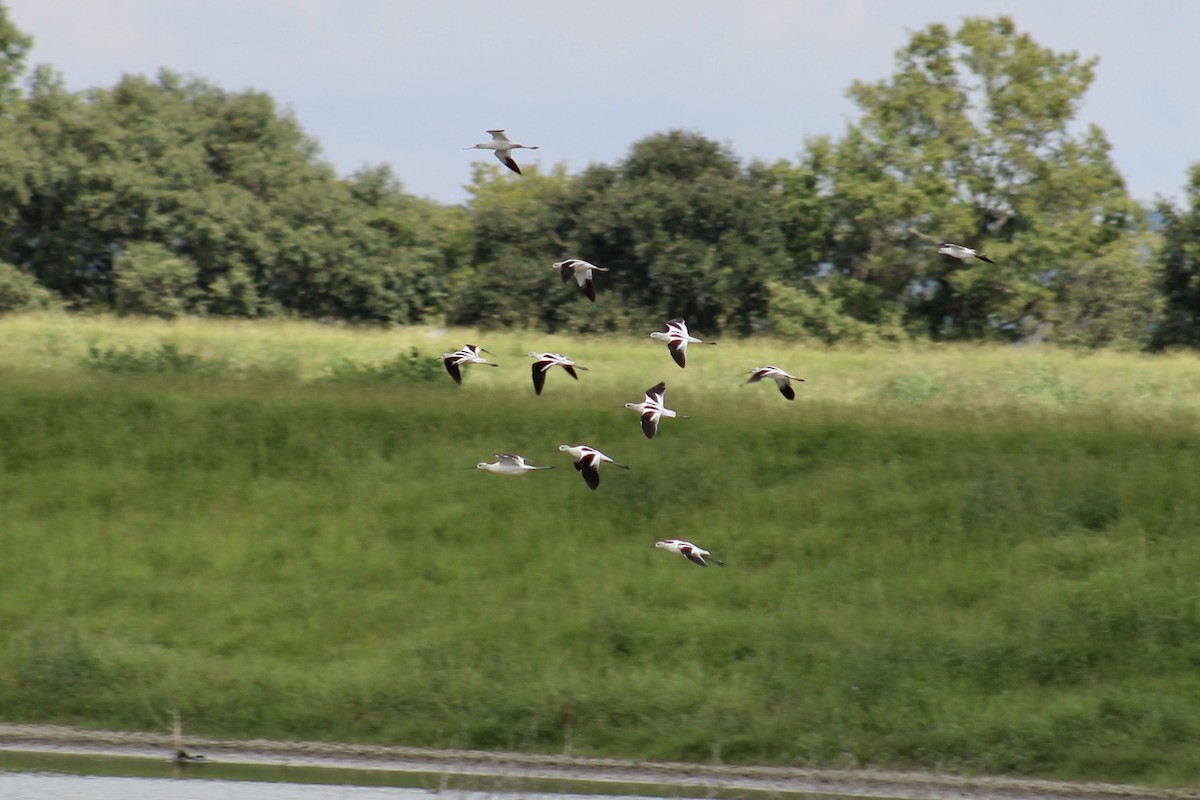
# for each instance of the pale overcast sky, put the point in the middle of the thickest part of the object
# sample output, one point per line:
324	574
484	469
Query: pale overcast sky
412	82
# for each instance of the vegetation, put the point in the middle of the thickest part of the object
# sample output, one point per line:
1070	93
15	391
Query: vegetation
966	559
168	196
958	556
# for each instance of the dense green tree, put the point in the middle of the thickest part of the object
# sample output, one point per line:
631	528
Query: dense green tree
514	240
1179	268
230	187
20	292
152	280
686	231
14	47
970	141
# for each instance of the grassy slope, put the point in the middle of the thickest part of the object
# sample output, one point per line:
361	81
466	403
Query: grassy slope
966	559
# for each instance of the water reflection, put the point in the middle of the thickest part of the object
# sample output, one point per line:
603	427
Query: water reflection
41	774
43	786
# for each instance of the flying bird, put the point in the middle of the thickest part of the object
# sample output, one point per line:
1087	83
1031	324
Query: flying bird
542	362
652	409
677	338
469	354
961	253
508	464
582	272
503	148
782	379
692	552
587	462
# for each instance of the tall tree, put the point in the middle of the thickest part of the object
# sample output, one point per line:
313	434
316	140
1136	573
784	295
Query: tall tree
686	230
970	141
244	217
14	46
1179	268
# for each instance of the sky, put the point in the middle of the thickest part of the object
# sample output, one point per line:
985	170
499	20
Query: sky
411	83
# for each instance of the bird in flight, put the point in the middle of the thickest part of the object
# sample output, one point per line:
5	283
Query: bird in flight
542	362
653	409
503	148
469	354
782	379
582	272
692	552
508	464
587	462
677	338
961	253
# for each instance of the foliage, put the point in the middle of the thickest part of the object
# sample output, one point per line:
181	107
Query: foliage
818	313
149	279
969	141
171	196
20	292
410	366
167	358
14	46
1179	268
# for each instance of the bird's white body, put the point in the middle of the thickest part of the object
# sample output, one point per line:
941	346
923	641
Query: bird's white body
503	148
652	409
782	379
508	464
542	362
677	338
961	253
587	462
582	272
469	354
692	552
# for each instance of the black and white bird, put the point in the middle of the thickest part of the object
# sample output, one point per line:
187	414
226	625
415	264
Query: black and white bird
508	464
961	253
503	148
587	462
782	379
692	552
652	409
542	362
676	335
581	271
469	354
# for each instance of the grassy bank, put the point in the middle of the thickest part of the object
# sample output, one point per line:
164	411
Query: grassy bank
976	560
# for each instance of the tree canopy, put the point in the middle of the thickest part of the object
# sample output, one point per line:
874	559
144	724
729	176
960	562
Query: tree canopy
167	195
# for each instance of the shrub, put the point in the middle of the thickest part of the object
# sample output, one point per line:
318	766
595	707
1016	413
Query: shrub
19	291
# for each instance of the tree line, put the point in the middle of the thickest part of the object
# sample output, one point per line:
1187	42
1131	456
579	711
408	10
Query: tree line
171	196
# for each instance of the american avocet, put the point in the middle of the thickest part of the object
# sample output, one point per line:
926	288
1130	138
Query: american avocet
652	409
508	464
781	378
582	271
503	148
677	338
469	354
588	460
542	362
961	253
692	552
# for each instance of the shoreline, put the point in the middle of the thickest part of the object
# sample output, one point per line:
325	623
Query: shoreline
862	783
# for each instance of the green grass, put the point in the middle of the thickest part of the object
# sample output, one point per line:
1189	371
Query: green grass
977	560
